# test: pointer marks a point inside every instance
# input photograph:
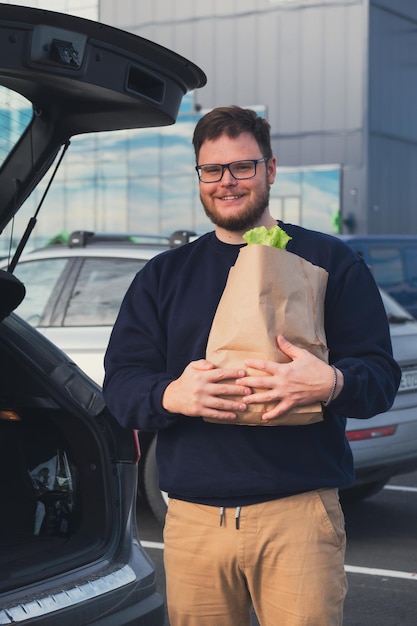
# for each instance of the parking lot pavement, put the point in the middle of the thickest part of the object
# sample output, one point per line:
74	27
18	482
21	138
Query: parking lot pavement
381	556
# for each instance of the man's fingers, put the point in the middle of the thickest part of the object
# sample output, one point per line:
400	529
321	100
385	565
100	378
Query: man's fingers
202	365
224	389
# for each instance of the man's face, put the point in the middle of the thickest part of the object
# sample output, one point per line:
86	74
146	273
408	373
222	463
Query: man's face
231	204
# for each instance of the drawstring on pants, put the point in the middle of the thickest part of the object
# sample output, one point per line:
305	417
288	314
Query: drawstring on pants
237	516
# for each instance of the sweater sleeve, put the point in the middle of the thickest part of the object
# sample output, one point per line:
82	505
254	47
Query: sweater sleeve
135	360
359	342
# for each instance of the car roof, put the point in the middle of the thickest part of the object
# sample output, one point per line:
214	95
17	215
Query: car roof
117	251
81	76
106	244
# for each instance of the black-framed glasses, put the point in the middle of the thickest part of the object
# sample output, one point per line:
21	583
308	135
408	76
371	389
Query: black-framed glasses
213	172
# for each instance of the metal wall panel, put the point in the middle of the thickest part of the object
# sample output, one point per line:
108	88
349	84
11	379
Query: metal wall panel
305	61
393	186
305	65
322	81
393	118
393	59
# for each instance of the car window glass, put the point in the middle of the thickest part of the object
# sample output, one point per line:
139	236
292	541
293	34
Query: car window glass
40	278
99	290
411	263
386	265
393	308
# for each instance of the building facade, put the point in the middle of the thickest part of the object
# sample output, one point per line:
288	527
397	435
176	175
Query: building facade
336	79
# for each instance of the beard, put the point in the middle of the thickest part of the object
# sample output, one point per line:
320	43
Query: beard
244	221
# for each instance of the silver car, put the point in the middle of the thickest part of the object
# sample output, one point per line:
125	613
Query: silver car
75	288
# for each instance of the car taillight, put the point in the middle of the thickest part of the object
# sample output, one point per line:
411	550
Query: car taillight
137	445
371	433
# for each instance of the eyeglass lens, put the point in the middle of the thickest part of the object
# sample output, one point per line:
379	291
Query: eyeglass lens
238	169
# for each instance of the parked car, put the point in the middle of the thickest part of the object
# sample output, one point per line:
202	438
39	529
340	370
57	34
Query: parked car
386	445
69	548
87	276
393	261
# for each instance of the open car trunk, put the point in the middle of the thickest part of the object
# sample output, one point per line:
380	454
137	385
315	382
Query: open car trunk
60	502
69	551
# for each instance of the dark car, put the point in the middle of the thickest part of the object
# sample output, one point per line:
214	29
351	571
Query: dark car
69	549
393	261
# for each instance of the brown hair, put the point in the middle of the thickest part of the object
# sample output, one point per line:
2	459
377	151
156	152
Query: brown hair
232	121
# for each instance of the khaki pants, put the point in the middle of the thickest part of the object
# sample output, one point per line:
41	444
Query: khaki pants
284	557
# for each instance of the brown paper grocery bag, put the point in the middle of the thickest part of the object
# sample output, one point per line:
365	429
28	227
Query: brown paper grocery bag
269	292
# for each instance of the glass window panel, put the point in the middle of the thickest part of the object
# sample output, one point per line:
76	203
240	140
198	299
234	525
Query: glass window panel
143	206
321	199
411	264
179	197
276	207
177	154
40	279
386	265
15	115
99	290
292	210
80	204
108	152
309	197
144	152
201	223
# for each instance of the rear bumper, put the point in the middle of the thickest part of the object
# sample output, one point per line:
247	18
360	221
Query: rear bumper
148	612
379	458
116	599
384	472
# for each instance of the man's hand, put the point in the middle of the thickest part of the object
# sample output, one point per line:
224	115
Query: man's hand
304	380
202	390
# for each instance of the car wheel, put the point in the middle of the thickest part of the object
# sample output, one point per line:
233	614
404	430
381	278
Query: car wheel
157	499
360	492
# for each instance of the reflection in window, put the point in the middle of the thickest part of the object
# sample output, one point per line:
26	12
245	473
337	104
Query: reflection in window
411	264
287	208
99	290
40	279
15	115
308	196
386	265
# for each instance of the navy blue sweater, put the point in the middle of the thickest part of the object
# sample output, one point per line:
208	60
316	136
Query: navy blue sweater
164	323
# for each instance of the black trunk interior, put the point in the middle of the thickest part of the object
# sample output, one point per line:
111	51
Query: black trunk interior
57	499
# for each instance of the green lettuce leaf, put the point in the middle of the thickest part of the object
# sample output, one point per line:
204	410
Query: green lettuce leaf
274	237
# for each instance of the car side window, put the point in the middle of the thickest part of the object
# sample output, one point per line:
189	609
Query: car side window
99	289
386	265
40	278
411	263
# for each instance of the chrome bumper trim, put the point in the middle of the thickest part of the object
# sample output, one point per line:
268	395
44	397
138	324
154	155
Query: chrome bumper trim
44	604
